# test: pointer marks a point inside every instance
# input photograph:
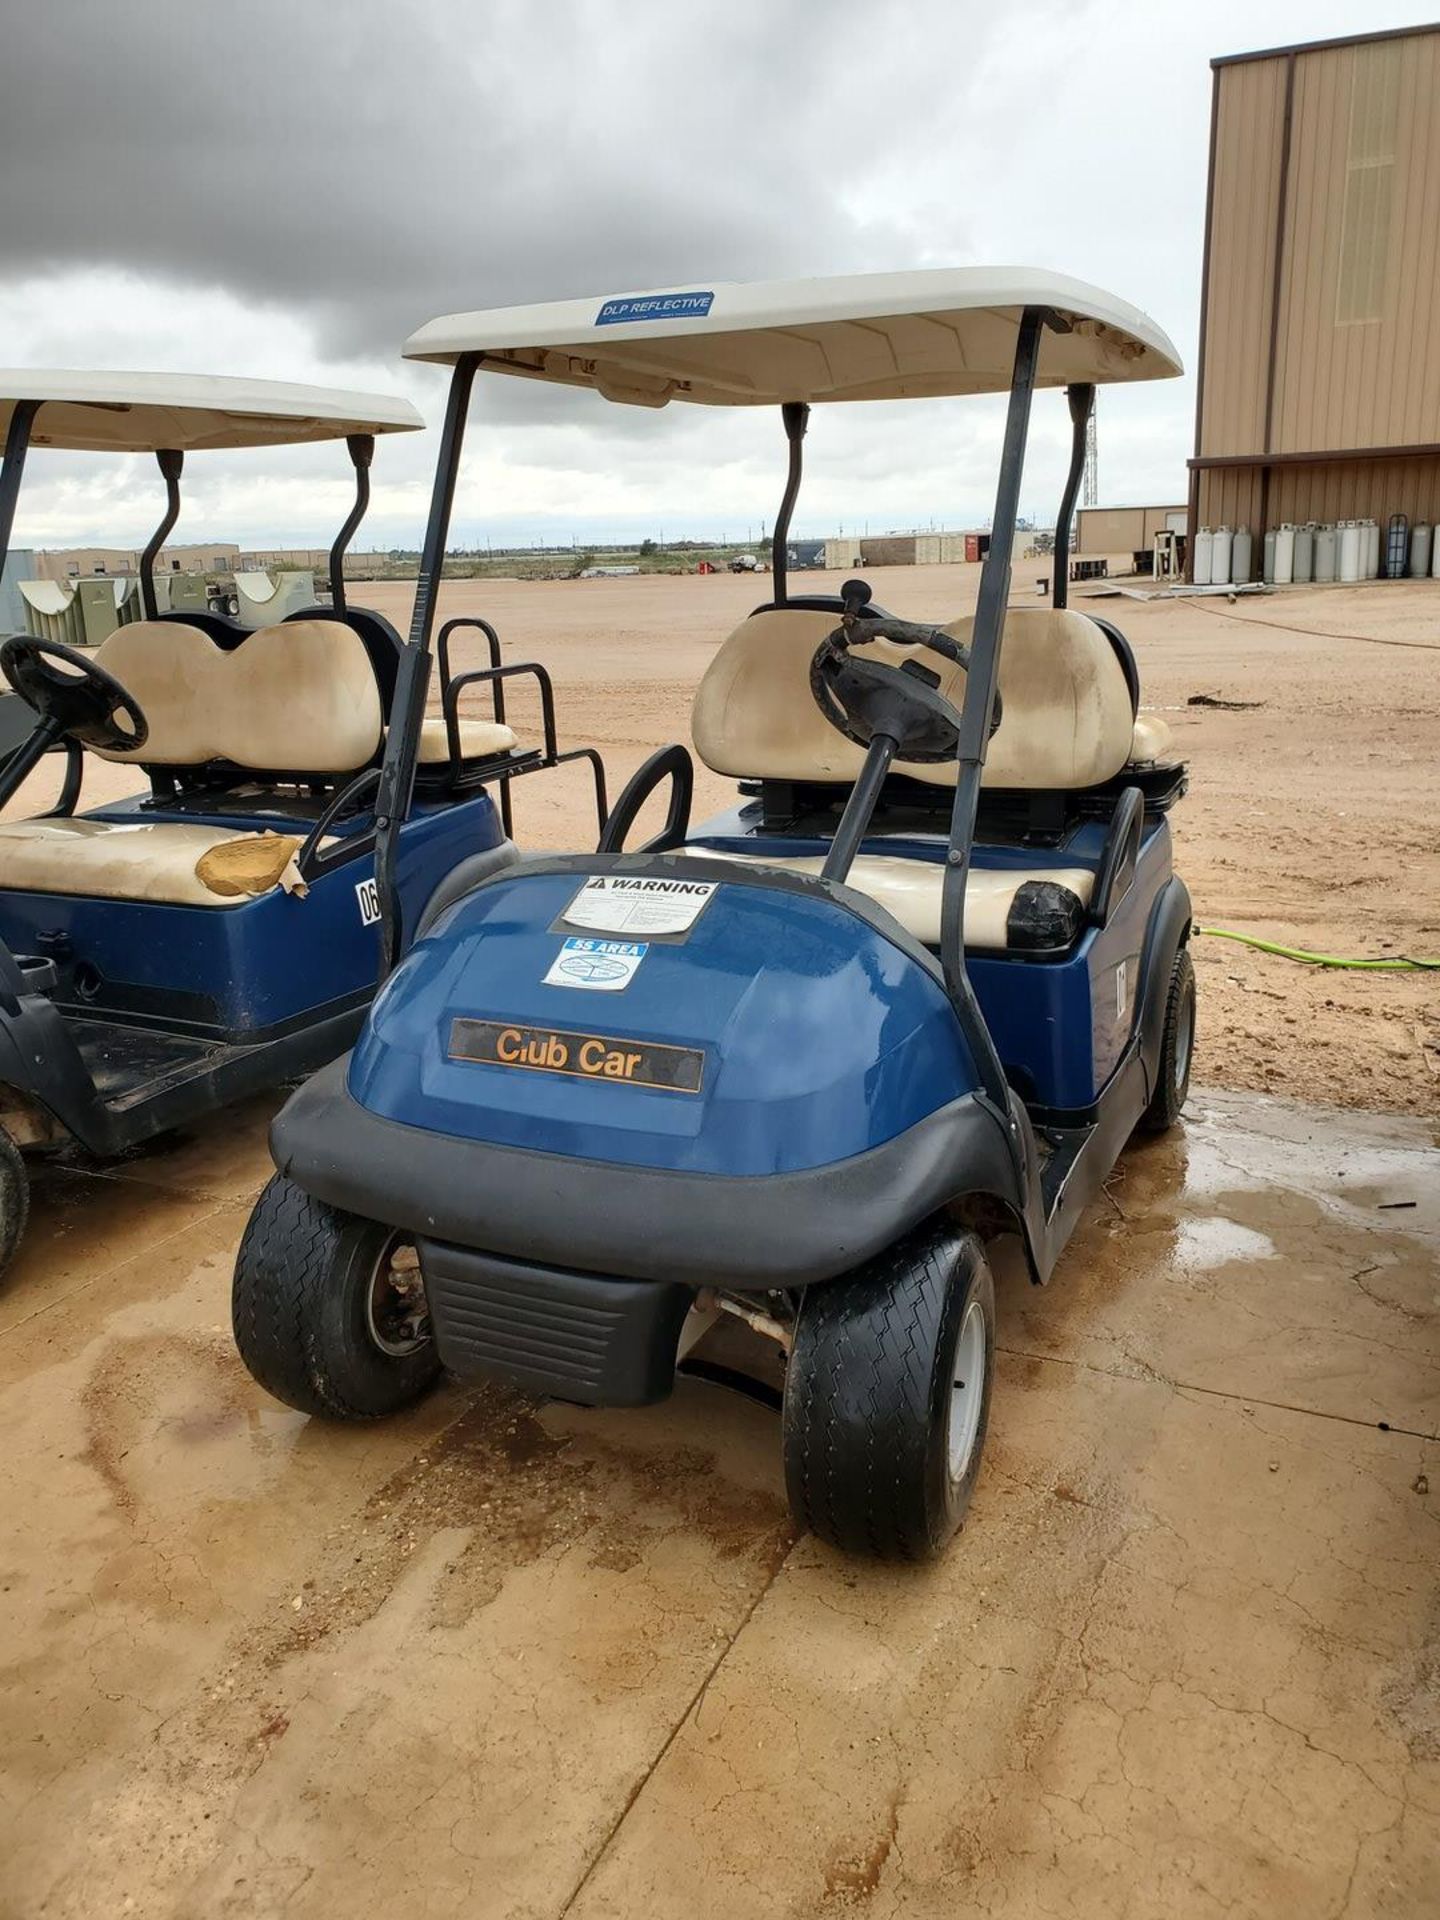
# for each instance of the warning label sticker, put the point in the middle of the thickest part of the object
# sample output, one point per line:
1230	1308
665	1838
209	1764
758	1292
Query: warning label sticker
638	905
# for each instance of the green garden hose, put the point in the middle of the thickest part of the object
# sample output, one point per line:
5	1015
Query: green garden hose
1402	963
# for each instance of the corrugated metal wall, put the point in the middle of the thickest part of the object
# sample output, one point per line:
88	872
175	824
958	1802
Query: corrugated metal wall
1246	195
1356	364
1330	490
1356	346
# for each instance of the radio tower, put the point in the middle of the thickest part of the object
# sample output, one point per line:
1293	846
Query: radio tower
1090	493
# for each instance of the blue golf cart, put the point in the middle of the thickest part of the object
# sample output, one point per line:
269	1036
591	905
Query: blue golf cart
216	931
799	1065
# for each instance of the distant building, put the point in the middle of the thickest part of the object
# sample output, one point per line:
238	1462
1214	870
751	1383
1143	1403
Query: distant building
1318	397
1124	529
80	563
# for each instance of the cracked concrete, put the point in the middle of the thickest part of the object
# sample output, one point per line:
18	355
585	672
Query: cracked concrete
504	1660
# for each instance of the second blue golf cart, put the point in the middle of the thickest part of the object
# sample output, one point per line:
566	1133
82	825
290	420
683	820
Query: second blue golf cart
217	929
799	1065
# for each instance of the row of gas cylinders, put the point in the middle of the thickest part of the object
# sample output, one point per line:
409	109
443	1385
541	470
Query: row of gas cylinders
1348	550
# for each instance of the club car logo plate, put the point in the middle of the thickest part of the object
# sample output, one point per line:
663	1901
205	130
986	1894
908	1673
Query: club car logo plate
583	1056
655	306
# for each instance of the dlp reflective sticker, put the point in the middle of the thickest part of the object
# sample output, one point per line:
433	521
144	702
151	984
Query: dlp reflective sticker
583	1056
655	306
369	900
600	966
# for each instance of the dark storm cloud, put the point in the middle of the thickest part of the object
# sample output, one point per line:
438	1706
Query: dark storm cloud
375	164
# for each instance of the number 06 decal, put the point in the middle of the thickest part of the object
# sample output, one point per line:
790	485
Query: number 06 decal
369	902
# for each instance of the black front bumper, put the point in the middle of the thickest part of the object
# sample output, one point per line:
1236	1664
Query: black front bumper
597	1217
573	1336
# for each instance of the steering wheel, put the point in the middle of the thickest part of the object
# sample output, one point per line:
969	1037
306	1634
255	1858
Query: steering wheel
78	699
862	698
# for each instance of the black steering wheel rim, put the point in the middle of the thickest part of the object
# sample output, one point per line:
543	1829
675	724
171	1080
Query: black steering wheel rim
83	703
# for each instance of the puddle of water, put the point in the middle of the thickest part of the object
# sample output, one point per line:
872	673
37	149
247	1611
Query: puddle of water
1212	1241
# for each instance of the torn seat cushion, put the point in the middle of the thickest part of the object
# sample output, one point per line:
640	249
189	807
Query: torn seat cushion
1016	910
130	860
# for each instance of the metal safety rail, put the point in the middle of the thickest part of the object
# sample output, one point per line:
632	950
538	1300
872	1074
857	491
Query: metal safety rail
502	769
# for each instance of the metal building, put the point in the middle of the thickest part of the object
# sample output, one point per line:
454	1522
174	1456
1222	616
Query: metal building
1319	367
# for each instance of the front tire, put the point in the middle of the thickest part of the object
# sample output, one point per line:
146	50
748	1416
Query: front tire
14	1199
1177	1049
326	1316
887	1398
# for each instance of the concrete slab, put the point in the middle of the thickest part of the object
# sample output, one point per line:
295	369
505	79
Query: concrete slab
494	1659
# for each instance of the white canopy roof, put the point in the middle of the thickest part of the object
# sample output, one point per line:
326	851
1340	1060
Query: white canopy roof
870	336
144	412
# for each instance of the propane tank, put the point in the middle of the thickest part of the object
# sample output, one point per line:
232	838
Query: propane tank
1352	539
1420	544
1305	554
1370	569
1397	546
1326	557
1269	551
1285	555
1204	549
1242	557
1220	558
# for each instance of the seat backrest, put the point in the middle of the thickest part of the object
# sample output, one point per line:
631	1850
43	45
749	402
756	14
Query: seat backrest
1067	711
297	698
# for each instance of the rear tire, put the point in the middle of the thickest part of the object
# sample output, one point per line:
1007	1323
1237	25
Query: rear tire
14	1199
315	1312
887	1398
1177	1049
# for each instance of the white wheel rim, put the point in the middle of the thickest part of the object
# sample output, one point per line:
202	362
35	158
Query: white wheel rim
388	1330
967	1391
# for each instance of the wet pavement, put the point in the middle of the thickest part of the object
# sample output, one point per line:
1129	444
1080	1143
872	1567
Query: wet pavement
498	1660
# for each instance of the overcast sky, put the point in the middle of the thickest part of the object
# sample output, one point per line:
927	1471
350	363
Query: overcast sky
286	189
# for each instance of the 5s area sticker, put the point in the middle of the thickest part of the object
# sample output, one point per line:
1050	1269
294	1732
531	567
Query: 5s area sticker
598	966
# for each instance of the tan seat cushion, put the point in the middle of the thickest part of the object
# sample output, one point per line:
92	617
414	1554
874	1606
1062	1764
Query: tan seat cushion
479	739
1067	716
1150	741
124	860
910	890
297	698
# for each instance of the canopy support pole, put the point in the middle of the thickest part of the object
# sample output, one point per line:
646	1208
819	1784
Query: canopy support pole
1082	405
412	681
361	447
17	444
796	415
981	680
170	462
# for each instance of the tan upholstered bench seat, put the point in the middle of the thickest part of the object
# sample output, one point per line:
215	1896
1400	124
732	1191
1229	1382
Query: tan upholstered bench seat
479	739
910	891
114	860
1150	739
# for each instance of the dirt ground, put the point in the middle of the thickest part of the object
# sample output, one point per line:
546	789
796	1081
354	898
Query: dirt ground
1311	816
505	1661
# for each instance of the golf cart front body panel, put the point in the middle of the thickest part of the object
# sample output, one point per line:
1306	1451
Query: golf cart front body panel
745	1234
818	1038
